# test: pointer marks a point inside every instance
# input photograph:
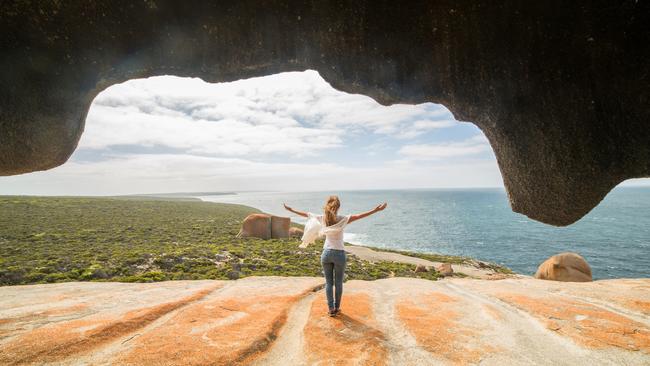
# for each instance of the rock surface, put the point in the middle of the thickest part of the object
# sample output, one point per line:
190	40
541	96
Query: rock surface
445	269
559	88
567	267
283	320
420	268
280	227
264	226
295	232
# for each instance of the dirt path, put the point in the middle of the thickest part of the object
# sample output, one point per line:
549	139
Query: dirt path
371	255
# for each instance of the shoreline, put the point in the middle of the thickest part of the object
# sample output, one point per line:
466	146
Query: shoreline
144	240
487	229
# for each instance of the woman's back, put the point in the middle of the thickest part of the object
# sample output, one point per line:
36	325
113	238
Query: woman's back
333	233
333	258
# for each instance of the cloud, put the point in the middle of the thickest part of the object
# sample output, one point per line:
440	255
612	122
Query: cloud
297	114
160	173
472	146
420	127
227	137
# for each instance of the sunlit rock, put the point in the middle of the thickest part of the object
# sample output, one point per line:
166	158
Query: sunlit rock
285	321
420	269
445	269
295	232
265	226
566	267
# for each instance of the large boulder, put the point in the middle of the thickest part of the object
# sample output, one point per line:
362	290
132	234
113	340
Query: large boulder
264	226
421	269
295	232
256	226
280	227
445	269
566	267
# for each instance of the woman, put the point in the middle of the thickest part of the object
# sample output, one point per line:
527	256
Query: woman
333	258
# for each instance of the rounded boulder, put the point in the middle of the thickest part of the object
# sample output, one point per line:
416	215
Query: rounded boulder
565	267
295	232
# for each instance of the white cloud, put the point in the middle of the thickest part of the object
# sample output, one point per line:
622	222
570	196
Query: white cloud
159	173
472	146
228	137
422	126
291	113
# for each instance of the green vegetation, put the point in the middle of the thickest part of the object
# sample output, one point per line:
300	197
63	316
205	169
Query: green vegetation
59	239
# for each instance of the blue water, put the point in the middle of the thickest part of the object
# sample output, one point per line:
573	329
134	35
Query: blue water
614	237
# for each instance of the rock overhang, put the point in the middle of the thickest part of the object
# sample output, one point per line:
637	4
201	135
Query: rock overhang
560	90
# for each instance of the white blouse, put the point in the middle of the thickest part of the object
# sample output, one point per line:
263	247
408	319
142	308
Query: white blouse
314	228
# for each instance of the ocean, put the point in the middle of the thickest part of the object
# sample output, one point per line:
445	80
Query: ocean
614	237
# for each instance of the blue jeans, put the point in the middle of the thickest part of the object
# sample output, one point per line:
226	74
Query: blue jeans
333	262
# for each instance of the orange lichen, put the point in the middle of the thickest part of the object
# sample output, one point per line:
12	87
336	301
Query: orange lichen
219	331
13	326
494	312
642	306
585	323
61	340
351	338
31	317
438	328
65	310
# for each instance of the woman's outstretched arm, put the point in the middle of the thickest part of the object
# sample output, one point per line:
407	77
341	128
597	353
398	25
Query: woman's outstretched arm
367	213
303	214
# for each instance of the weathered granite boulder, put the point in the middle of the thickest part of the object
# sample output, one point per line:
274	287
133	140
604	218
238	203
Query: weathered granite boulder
264	226
421	269
445	269
257	226
559	88
566	267
280	227
295	232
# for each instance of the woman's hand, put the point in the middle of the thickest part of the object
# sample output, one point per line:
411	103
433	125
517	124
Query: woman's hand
381	207
299	213
360	216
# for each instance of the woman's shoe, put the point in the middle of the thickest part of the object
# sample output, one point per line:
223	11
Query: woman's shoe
332	312
337	312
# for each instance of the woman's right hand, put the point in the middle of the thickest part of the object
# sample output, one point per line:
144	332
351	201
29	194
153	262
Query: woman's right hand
381	207
286	207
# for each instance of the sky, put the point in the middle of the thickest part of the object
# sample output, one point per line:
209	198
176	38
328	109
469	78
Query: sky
283	132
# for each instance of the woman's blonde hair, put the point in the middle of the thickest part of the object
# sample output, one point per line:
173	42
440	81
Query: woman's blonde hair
331	209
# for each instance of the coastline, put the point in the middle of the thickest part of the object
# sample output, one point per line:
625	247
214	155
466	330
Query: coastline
262	301
480	224
462	266
151	240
